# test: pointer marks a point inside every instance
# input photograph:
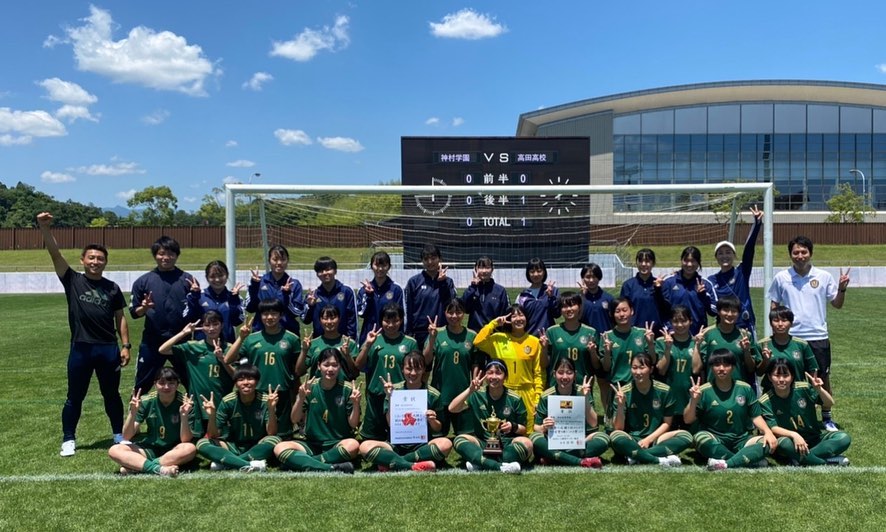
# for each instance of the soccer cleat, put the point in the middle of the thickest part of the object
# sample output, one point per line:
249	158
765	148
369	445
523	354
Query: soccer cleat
670	460
593	462
69	447
510	467
717	465
630	461
168	471
118	438
838	460
830	426
469	466
762	463
425	465
258	465
215	466
344	467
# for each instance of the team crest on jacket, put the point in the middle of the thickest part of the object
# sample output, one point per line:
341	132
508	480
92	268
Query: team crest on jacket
389	295
174	418
506	411
656	404
402	349
340	400
801	403
605	305
467	345
258	415
797	355
813	283
638	342
740	400
284	344
527	349
583	339
340	296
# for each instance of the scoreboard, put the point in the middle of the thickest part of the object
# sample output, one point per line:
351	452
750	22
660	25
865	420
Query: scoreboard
511	228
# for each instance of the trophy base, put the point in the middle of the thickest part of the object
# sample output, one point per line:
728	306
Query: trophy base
493	448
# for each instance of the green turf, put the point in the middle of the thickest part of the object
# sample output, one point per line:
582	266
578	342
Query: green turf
41	491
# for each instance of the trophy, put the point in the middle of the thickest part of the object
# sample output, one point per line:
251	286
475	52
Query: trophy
492	426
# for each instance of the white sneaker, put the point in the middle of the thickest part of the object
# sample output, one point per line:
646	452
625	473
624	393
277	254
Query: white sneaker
118	438
470	467
838	460
630	461
215	466
69	447
717	465
510	467
258	465
674	460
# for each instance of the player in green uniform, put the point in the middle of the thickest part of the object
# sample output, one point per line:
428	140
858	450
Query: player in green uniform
674	366
330	409
596	442
242	433
451	352
789	410
727	410
274	351
209	374
381	355
621	344
571	339
725	335
308	359
782	345
167	443
480	405
642	419
419	456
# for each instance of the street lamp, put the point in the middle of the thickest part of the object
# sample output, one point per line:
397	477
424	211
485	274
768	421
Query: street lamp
864	193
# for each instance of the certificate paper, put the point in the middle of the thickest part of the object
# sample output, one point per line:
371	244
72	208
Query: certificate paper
568	412
408	422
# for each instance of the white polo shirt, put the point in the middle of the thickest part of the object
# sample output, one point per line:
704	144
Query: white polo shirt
807	296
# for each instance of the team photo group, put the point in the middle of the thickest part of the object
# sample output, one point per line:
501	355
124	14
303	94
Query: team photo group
321	376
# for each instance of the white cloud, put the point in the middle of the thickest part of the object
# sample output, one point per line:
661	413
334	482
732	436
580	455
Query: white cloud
229	179
305	45
190	199
231	144
73	112
20	127
241	163
51	41
115	169
467	24
159	60
433	121
457	121
340	144
126	195
258	79
67	92
156	118
288	137
56	177
881	67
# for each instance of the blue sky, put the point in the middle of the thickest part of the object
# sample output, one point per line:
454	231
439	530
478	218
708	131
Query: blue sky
100	100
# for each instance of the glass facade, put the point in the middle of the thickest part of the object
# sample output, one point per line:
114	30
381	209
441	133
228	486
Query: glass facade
806	150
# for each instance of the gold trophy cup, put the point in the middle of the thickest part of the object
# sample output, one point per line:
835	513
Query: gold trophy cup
492	426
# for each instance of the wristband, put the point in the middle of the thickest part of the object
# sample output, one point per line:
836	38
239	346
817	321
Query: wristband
841	290
127	345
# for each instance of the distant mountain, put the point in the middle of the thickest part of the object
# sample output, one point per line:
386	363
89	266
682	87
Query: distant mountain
119	210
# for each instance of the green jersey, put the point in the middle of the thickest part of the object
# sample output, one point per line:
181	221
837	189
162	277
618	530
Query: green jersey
541	410
727	415
645	412
275	356
241	423
795	412
624	346
481	406
385	357
327	412
434	403
715	339
318	345
563	343
679	373
797	352
207	373
454	355
163	421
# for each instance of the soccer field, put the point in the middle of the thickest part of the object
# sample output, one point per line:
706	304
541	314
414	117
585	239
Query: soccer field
42	491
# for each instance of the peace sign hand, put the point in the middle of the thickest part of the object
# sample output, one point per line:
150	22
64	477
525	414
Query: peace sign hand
208	404
477	379
607	344
305	389
619	394
659	280
387	384
194	284
744	343
441	274
549	288
666	335
700	287
311	298
844	279
372	336
503	320
475	280
432	327
583	286
135	400
367	286
345	347
648	333
288	286
765	351
757	213
187	405
306	341
148	300
355	394
191	327
273	397
815	381
238	287
587	385
217	349
543	339
695	389
256	274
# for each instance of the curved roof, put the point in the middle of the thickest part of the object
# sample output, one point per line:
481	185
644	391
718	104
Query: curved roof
834	92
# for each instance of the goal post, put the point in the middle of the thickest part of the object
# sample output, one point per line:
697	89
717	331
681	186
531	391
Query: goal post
463	219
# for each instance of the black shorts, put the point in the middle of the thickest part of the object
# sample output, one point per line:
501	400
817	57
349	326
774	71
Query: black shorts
822	351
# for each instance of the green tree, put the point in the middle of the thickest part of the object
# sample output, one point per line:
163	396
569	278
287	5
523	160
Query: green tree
155	206
848	206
